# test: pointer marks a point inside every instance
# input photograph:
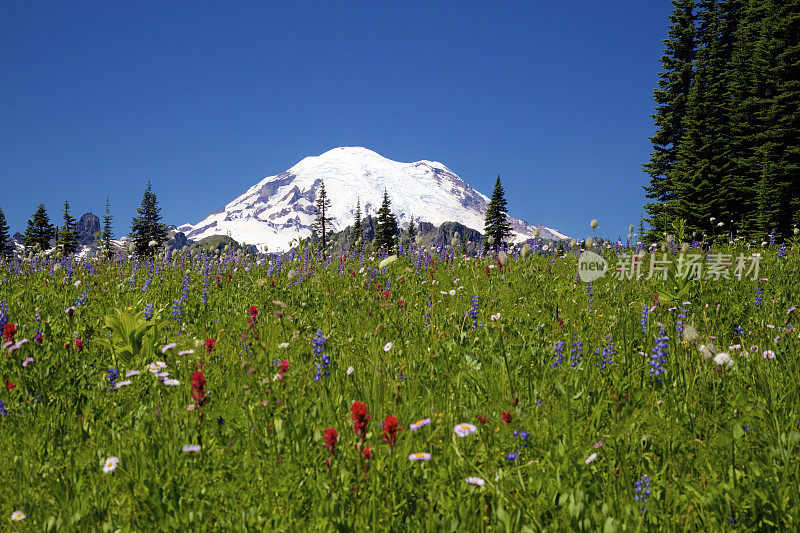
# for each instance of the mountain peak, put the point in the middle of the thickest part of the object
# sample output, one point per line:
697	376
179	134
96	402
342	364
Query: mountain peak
281	208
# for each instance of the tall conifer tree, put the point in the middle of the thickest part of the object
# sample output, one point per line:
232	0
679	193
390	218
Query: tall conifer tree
675	81
496	224
322	224
147	227
67	241
358	230
386	226
39	230
6	247
107	233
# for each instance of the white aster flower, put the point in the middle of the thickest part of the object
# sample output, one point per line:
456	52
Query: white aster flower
168	347
475	481
387	346
110	464
16	516
591	458
464	429
190	448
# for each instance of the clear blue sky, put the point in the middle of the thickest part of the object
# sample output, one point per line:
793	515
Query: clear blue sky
207	98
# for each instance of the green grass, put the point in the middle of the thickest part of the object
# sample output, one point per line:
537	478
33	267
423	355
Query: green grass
720	445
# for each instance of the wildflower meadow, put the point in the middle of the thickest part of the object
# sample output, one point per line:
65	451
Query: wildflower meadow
431	390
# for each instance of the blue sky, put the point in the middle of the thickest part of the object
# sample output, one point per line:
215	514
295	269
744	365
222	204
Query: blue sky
206	98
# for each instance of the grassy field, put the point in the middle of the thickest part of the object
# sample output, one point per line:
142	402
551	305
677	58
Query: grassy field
439	392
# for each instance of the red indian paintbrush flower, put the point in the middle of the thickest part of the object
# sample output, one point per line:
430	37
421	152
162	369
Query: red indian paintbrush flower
9	330
361	417
506	417
331	436
199	387
210	344
390	430
79	345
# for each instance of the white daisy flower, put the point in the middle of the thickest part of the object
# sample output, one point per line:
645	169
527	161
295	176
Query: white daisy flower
190	448
123	383
591	458
171	382
16	516
110	464
419	456
475	481
387	346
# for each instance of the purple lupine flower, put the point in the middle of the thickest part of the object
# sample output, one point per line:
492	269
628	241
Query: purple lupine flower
642	489
659	357
559	349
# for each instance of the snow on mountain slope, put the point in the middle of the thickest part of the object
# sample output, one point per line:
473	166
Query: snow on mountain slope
280	208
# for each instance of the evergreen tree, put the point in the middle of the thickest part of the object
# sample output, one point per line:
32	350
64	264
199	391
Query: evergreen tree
496	225
322	224
780	140
39	231
67	242
671	97
386	227
147	227
358	230
412	231
107	234
6	247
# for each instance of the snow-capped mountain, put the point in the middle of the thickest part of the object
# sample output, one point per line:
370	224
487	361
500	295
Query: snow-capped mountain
280	208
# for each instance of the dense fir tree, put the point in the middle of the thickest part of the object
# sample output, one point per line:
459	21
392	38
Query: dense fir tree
147	227
39	230
67	241
107	234
6	246
322	224
358	229
386	227
671	97
496	225
738	157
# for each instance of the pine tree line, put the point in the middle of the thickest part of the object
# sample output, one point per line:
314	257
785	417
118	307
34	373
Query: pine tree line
726	150
148	233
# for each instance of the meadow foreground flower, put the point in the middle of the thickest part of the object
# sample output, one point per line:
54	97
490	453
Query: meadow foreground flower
16	516
419	423
475	481
387	346
190	448
131	373
110	464
168	347
723	358
591	458
419	456
464	429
